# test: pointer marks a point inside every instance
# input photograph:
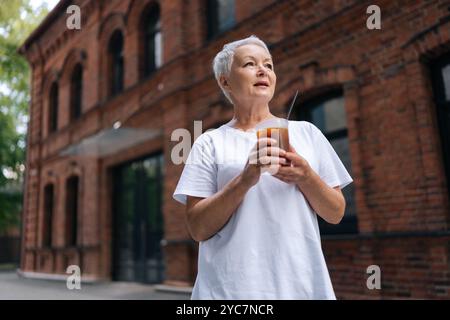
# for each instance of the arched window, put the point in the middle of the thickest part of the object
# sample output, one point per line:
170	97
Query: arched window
72	189
328	114
53	108
76	92
48	216
115	51
220	16
440	72
151	58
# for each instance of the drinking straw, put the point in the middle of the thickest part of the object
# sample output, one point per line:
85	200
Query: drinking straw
292	105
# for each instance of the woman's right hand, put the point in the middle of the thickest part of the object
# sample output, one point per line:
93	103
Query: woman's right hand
264	156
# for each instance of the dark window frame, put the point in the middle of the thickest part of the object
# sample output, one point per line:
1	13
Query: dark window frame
76	92
213	23
139	220
150	27
442	107
116	63
349	223
53	107
49	208
72	211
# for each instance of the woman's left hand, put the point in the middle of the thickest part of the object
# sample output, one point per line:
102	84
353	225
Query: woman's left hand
297	172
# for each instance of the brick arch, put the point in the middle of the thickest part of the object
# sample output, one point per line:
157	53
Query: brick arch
135	12
72	168
314	81
49	177
112	23
52	76
418	51
75	56
428	44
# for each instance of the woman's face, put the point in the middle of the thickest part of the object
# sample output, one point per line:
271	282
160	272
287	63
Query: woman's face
251	75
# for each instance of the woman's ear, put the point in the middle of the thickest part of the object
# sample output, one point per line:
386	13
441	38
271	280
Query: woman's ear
224	82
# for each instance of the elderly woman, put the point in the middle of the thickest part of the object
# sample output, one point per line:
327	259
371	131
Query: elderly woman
258	230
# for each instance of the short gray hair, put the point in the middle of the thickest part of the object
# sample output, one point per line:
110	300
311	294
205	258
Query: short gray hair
224	59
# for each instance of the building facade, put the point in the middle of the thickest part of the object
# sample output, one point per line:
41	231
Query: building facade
106	99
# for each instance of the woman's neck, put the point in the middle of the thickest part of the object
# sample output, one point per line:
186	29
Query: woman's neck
248	118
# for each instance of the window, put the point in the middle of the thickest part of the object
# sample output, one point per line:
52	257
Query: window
72	211
220	16
48	216
328	114
53	108
76	92
115	50
440	72
151	58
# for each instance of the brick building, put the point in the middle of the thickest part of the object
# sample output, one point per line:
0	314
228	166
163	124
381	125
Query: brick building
106	98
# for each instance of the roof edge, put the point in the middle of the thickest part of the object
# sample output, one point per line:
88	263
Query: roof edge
42	27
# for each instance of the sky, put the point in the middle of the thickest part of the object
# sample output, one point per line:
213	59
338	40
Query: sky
51	3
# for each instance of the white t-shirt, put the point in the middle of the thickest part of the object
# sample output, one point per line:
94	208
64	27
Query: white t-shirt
271	247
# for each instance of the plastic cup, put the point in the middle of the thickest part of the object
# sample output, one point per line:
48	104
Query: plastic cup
275	128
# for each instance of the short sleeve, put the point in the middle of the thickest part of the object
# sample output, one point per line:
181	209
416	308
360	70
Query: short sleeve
331	169
199	176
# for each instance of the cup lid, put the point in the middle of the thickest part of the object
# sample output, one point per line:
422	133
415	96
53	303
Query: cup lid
273	122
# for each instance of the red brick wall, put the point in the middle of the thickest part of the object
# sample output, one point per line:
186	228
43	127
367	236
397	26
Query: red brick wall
317	45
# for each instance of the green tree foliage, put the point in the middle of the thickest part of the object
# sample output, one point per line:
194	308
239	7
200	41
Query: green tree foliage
17	20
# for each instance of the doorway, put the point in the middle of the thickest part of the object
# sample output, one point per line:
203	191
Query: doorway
138	220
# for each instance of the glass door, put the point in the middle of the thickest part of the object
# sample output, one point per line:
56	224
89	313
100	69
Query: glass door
138	221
